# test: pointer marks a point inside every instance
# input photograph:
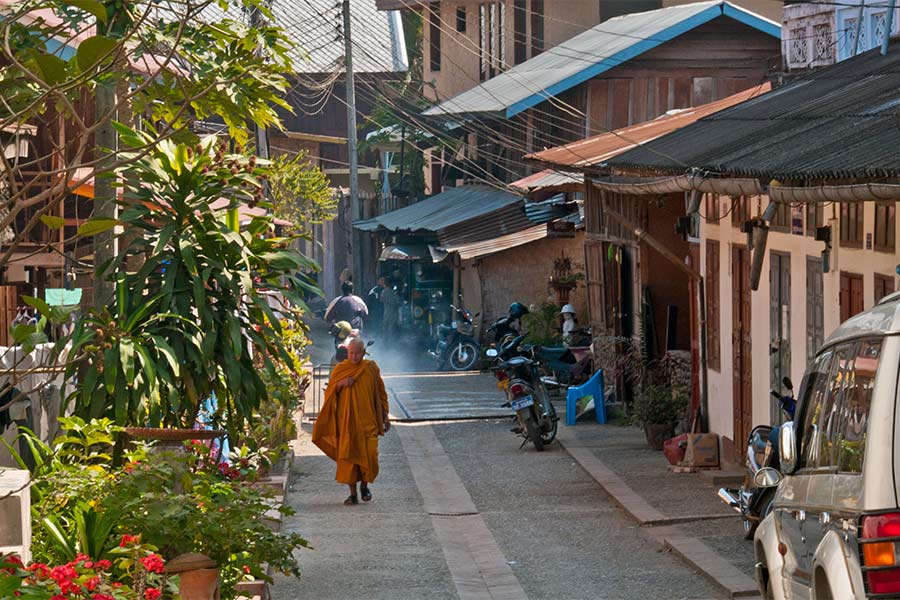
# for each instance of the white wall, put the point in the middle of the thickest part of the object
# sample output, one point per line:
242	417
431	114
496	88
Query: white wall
864	262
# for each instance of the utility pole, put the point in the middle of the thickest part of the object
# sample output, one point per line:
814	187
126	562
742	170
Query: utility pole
356	262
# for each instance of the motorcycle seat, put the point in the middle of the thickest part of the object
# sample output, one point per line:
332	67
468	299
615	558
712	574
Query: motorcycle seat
558	353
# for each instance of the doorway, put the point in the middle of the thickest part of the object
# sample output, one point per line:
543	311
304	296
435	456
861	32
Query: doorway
740	340
780	326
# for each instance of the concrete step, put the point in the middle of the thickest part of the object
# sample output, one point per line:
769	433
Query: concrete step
729	475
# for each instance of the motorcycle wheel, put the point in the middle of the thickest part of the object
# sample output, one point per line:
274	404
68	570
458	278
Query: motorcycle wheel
550	435
463	356
534	432
766	504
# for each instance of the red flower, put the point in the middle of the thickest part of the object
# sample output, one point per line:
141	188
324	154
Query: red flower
92	583
40	570
82	558
154	563
104	565
58	597
13	560
99	596
63	573
128	540
152	594
246	569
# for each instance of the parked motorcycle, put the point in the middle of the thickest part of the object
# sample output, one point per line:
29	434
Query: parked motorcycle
754	500
518	376
507	328
456	345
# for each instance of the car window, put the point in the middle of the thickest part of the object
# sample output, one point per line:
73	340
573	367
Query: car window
812	400
838	384
848	447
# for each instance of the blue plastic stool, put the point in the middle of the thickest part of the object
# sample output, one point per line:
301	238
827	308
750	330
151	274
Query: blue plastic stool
595	387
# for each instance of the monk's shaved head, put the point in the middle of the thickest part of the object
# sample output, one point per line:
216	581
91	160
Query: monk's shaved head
356	350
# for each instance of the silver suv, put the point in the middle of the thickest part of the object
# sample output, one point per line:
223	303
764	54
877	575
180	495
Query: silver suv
834	531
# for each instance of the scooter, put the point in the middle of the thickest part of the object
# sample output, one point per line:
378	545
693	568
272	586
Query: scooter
456	344
754	501
566	365
518	376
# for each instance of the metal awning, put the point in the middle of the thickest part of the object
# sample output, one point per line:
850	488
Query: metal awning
654	186
497	244
406	252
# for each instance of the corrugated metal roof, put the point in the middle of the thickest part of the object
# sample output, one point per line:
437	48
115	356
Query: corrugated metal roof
315	25
589	54
550	209
595	151
835	123
498	244
461	213
548	178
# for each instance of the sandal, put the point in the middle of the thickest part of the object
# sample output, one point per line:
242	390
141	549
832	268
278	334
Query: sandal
365	494
351	500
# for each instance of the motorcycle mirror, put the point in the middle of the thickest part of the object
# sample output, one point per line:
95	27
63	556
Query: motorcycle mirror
476	314
788	383
369	343
767	477
492	352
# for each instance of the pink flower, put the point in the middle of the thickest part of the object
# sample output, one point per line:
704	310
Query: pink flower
154	563
152	594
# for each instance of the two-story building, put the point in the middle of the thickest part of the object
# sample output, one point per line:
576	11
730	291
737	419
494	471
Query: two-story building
797	228
626	70
818	33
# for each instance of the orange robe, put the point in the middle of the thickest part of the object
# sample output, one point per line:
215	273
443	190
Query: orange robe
351	420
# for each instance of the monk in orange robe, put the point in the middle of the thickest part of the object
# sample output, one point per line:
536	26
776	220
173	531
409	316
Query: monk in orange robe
354	414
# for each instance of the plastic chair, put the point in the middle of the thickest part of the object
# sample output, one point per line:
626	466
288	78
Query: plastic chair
595	387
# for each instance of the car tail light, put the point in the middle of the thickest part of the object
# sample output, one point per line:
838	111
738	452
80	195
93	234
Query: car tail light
501	375
517	389
880	542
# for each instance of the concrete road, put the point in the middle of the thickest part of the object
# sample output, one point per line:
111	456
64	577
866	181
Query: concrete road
460	511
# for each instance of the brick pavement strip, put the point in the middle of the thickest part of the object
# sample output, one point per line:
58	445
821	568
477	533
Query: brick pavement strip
691	549
476	563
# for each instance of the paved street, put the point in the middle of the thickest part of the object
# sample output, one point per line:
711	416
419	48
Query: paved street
460	511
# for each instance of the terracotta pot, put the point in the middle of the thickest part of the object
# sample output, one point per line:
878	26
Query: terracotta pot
657	434
198	576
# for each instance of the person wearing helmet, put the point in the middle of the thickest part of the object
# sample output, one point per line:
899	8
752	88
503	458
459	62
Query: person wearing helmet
570	322
517	310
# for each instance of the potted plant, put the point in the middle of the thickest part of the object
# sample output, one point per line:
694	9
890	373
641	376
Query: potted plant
662	400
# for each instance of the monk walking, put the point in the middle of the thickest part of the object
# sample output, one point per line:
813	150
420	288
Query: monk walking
354	414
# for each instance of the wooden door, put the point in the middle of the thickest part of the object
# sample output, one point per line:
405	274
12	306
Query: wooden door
740	341
780	325
851	295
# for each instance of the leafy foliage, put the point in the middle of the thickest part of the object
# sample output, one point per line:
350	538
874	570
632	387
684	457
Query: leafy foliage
542	324
176	502
179	59
301	193
185	326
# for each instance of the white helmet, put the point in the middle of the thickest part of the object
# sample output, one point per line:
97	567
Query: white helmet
568	308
